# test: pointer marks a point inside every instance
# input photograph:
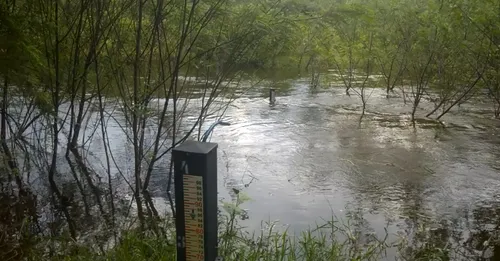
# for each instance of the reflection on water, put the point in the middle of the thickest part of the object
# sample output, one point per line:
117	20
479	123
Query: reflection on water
308	156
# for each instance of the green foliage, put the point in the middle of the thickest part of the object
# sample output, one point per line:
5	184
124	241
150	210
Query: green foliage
55	52
333	239
19	58
459	37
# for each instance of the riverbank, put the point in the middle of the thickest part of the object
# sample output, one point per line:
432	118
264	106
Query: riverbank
333	240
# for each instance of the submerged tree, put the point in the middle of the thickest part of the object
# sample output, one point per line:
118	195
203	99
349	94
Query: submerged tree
75	67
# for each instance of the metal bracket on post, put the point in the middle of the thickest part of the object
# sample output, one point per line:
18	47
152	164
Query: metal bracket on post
195	181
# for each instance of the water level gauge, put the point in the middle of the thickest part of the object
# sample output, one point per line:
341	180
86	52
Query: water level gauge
193	213
195	169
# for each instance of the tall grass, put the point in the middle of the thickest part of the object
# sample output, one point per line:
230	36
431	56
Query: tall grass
270	244
333	239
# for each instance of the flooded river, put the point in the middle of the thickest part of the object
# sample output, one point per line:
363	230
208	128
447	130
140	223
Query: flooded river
308	157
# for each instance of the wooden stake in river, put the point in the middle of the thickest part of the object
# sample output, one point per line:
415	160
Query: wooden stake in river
272	96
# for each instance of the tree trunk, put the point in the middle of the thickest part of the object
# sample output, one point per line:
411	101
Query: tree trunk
471	87
55	131
436	107
136	118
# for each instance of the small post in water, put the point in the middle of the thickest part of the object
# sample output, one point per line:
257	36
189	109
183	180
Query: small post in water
272	96
195	174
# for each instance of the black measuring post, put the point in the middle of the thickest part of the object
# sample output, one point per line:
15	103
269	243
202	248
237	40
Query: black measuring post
195	173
